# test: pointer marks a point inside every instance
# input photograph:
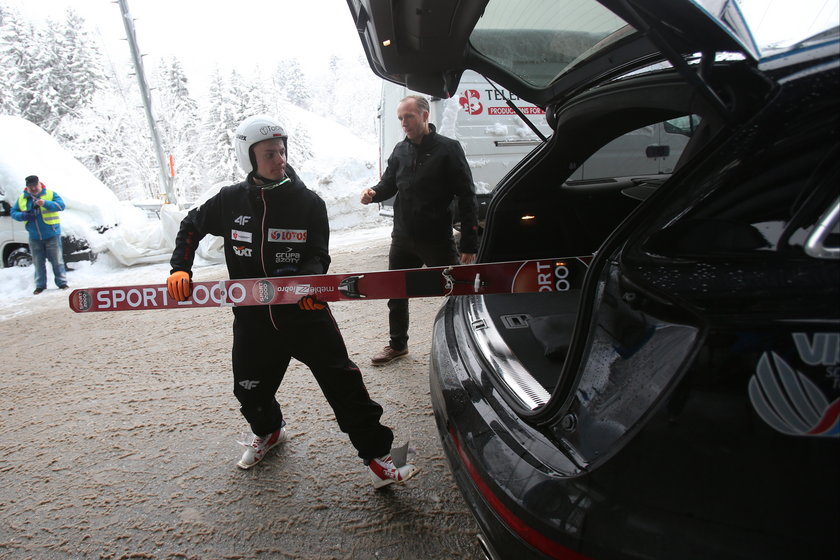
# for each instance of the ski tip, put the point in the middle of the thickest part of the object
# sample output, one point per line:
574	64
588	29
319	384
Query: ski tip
80	300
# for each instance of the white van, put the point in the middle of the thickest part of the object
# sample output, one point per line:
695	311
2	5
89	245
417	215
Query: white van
14	240
495	138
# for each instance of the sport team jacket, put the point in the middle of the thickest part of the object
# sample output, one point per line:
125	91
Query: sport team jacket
282	231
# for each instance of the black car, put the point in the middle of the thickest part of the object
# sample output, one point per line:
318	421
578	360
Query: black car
684	401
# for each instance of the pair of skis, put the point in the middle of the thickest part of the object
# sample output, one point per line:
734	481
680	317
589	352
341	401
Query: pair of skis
544	275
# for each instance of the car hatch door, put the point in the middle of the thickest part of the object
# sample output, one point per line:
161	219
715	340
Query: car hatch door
521	44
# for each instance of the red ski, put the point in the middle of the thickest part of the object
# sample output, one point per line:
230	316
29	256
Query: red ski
546	275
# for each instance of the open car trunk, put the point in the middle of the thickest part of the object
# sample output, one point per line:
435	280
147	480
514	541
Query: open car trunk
546	213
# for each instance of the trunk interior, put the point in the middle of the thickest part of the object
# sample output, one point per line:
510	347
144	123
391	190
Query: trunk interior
542	211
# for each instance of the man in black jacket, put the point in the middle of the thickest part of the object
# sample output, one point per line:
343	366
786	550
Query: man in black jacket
426	171
272	225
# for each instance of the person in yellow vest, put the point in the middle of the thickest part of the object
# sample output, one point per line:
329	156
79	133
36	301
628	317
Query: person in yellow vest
39	208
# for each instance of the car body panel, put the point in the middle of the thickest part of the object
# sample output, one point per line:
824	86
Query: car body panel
706	381
685	401
426	45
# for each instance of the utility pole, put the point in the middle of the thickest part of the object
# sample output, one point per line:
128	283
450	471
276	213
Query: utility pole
145	93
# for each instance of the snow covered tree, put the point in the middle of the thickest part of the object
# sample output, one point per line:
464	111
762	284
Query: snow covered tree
80	73
8	72
246	99
220	122
47	72
110	137
15	61
179	126
40	101
229	103
291	83
53	75
348	93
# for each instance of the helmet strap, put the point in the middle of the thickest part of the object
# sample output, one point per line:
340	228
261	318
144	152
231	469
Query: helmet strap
268	184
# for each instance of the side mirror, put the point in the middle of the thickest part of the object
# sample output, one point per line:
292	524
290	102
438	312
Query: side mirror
5	208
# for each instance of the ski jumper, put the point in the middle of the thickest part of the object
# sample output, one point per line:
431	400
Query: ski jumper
282	231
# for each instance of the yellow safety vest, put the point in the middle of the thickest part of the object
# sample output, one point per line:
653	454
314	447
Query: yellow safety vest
50	218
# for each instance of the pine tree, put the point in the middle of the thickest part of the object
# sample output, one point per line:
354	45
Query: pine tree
179	128
15	62
39	101
291	83
300	145
47	72
53	76
220	123
352	83
7	69
79	59
110	137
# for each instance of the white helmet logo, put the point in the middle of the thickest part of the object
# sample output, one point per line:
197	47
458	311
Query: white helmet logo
270	129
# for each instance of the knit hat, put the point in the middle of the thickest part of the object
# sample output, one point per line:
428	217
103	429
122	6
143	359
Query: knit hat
32	180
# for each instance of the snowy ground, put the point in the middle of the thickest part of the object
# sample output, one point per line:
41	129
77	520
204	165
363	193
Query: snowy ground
119	436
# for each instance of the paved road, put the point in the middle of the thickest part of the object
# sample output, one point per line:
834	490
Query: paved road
119	436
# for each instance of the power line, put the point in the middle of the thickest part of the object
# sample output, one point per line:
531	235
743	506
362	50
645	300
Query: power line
818	17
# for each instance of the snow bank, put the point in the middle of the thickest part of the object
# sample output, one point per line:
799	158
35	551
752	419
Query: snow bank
26	149
343	165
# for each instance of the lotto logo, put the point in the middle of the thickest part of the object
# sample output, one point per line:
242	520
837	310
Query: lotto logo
287	235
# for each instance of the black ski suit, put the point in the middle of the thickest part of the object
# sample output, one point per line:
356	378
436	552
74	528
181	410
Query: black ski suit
282	231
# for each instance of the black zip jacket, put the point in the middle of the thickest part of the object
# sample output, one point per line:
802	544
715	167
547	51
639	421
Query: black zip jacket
425	178
282	231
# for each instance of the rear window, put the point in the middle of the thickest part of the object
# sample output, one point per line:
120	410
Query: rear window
538	40
650	150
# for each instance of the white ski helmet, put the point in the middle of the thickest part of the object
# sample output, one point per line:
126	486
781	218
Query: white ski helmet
249	132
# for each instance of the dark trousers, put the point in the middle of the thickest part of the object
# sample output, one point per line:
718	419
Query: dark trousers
409	253
261	355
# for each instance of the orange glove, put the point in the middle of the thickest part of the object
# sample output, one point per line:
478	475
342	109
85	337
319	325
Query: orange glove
178	285
311	303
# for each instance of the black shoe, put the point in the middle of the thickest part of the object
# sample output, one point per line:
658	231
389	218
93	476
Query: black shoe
64	287
37	291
